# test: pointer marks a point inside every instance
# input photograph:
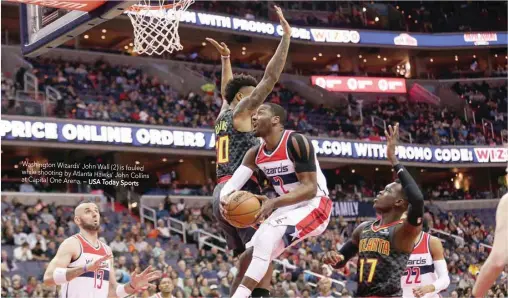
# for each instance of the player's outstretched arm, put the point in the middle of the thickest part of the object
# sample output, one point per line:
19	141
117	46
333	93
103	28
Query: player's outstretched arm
440	267
244	109
242	174
227	71
57	272
412	224
498	257
138	282
347	251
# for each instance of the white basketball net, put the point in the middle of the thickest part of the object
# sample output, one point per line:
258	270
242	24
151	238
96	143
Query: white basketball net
156	25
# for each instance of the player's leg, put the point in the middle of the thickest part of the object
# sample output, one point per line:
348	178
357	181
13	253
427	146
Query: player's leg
236	240
267	244
280	231
263	287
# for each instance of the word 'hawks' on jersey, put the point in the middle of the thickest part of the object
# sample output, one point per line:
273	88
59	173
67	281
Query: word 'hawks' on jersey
91	284
380	265
279	166
230	144
420	268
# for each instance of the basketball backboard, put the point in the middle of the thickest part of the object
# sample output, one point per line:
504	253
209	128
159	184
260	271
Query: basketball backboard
52	23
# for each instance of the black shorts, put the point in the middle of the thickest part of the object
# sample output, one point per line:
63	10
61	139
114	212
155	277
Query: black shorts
236	238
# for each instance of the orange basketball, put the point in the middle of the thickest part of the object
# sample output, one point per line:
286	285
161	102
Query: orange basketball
241	209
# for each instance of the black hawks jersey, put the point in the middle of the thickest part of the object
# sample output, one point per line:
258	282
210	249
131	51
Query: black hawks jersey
230	144
380	266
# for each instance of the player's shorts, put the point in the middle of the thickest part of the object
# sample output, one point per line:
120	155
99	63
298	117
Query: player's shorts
236	238
290	225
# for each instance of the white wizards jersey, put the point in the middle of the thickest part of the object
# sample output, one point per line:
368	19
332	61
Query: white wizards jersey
91	284
420	269
280	170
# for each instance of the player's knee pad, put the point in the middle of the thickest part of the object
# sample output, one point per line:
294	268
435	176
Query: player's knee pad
257	268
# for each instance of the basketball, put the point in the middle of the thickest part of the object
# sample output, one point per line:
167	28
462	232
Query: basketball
242	207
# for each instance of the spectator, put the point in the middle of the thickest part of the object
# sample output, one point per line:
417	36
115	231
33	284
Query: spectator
162	213
8	265
47	217
153	233
22	253
38	253
51	250
163	230
118	245
26	187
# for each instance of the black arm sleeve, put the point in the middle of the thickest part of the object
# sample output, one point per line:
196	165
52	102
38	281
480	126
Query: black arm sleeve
348	250
303	156
413	195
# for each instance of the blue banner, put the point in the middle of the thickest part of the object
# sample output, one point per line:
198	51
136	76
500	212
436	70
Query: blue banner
346	36
79	132
350	209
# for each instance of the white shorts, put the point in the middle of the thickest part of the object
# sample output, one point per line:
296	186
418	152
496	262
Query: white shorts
286	227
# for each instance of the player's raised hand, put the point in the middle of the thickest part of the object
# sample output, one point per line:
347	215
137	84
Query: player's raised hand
332	258
140	281
392	139
283	22
222	48
99	263
266	209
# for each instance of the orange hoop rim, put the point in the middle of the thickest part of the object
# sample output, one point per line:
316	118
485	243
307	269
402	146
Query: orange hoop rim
139	7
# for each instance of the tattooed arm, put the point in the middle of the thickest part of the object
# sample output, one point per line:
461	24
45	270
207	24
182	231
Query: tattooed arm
244	109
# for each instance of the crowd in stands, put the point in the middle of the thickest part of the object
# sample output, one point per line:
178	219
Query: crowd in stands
394	16
123	94
335	67
31	236
104	92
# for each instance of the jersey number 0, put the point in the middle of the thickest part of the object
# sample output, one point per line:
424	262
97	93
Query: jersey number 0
222	148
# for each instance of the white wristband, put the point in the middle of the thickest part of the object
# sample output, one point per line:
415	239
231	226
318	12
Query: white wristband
120	291
225	57
59	276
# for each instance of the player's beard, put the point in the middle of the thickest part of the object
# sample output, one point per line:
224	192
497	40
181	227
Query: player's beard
92	227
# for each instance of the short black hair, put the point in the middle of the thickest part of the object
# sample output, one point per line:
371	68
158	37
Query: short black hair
237	83
278	111
402	193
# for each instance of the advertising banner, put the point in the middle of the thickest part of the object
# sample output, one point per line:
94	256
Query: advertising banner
346	36
360	84
77	132
350	209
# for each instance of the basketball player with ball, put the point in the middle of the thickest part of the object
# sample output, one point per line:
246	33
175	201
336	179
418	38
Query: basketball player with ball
234	137
302	209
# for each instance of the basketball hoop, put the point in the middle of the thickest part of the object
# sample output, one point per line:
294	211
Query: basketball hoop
155	25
